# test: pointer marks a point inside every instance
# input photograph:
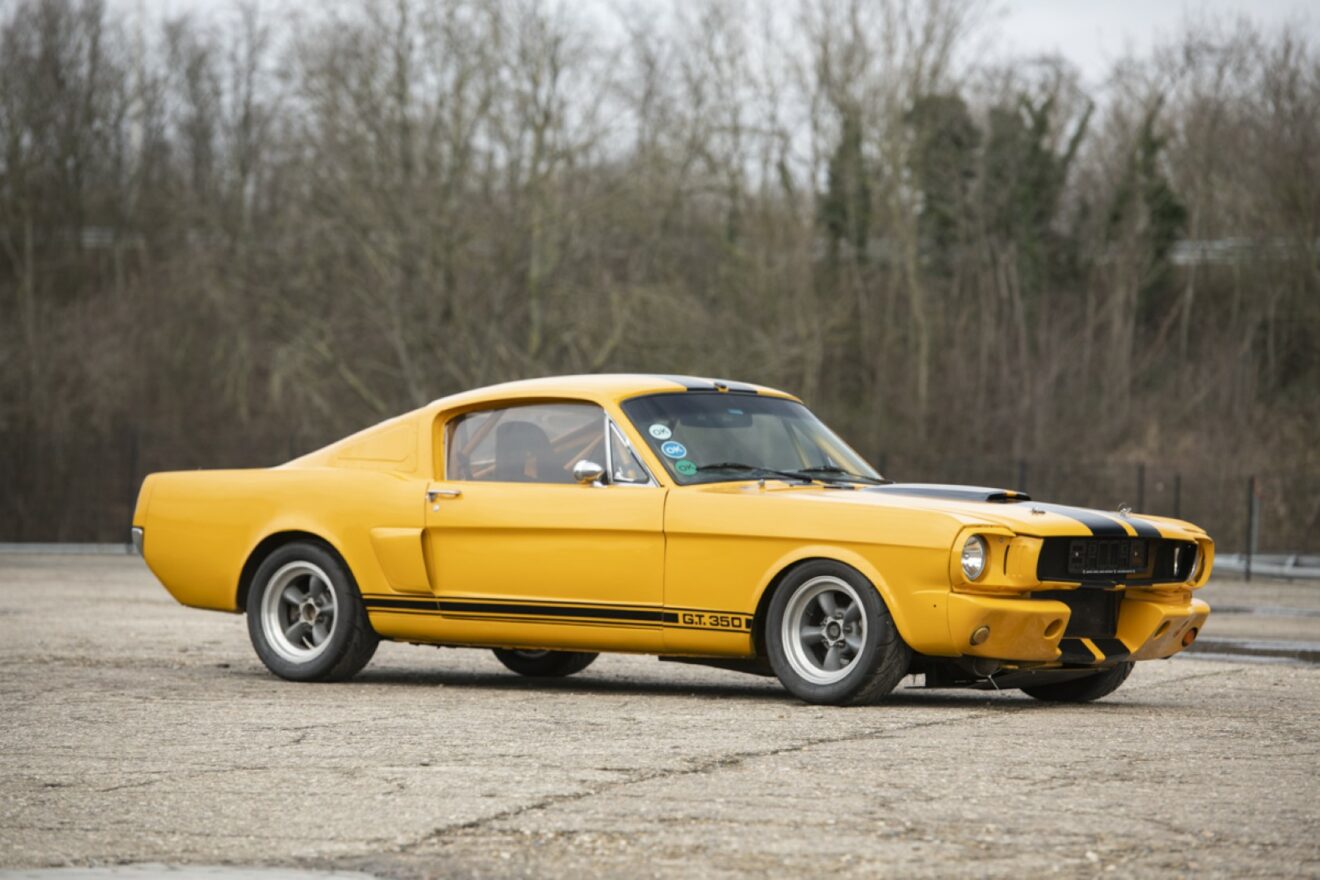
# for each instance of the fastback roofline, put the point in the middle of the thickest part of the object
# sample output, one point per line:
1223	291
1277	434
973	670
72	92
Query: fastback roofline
608	383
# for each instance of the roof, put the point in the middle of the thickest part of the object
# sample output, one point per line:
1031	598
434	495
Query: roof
616	386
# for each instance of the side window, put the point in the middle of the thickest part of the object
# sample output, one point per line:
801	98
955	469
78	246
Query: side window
626	467
536	443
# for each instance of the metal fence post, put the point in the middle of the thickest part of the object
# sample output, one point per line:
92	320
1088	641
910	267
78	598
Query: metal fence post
1251	524
131	442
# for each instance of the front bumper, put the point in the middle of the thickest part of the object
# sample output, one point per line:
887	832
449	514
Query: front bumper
1150	626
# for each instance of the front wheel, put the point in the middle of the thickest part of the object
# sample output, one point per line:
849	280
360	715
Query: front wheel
830	638
1082	690
305	617
544	664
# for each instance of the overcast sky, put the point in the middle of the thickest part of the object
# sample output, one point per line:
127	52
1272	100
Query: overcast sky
1092	34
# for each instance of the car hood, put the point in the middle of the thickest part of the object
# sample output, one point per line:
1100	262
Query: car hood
980	505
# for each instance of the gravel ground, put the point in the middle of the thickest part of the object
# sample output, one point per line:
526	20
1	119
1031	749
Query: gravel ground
137	731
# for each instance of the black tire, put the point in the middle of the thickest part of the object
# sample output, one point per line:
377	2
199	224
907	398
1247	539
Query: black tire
350	641
1082	690
879	662
544	664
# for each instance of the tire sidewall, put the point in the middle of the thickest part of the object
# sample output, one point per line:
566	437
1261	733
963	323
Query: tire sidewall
551	664
877	647
349	606
1083	690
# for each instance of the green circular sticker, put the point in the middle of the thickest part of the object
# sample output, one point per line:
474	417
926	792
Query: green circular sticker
685	467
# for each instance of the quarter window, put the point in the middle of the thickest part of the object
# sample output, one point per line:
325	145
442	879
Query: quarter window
627	469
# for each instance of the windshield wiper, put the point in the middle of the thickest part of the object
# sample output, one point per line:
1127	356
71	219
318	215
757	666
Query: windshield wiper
739	466
833	470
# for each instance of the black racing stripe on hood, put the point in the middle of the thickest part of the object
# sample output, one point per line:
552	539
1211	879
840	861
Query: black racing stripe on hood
953	493
1144	529
1100	525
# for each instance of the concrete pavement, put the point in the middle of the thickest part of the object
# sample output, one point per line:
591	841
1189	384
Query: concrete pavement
134	730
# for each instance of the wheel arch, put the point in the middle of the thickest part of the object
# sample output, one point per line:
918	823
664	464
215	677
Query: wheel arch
268	545
793	561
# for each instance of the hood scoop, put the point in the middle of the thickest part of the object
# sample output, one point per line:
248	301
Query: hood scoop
954	493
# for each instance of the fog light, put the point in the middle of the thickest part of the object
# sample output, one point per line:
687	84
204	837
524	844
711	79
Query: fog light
980	634
1189	637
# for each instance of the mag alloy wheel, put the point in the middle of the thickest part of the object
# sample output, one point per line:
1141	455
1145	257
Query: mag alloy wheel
830	638
298	611
824	630
305	615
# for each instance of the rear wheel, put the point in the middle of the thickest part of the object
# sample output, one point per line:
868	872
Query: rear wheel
1082	690
544	664
831	639
305	616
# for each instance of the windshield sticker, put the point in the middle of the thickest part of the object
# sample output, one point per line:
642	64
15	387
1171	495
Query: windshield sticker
685	467
660	432
674	449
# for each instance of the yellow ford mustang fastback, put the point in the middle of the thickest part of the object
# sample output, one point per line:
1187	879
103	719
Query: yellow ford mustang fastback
701	520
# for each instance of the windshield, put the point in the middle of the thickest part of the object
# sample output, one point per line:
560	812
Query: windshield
713	437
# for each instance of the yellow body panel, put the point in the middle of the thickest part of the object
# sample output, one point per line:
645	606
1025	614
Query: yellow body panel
664	569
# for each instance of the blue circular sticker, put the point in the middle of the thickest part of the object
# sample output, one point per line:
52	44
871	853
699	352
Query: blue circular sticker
674	449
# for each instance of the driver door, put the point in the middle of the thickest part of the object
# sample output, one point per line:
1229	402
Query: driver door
525	554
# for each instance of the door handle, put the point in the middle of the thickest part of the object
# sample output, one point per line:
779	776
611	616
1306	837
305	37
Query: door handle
433	494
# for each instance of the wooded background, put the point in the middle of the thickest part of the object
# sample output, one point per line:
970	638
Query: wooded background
227	239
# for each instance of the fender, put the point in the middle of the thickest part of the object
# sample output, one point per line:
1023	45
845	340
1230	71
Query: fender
921	616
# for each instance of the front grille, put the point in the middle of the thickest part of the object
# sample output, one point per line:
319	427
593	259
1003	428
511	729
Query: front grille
1094	612
1112	561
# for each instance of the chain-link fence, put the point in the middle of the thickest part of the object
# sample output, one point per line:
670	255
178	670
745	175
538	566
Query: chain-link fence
81	487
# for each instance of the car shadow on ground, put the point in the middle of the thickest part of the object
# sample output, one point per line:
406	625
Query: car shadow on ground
747	689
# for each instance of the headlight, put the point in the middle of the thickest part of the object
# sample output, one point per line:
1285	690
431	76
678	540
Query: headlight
973	557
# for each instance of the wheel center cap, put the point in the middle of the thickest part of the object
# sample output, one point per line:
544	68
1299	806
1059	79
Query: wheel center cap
833	630
309	612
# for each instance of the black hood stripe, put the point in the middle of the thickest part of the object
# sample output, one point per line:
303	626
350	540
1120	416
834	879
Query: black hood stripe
1101	526
953	493
1144	529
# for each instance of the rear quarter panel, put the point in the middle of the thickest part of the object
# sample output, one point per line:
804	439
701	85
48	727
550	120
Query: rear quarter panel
200	527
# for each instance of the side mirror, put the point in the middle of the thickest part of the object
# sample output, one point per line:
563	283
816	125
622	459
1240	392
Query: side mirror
587	471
